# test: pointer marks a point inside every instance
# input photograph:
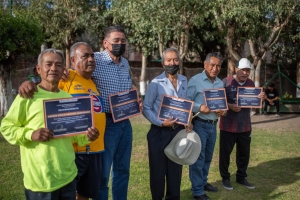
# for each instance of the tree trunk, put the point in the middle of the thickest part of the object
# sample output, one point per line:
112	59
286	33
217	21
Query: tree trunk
160	44
184	41
4	104
231	67
257	74
68	64
298	79
143	75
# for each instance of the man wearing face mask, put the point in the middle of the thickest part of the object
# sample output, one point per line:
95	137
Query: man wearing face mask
162	169
111	75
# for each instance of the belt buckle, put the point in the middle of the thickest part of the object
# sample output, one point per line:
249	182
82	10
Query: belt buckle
213	122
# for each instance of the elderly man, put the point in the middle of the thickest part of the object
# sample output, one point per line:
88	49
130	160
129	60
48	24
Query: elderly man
79	83
205	123
235	127
162	169
48	173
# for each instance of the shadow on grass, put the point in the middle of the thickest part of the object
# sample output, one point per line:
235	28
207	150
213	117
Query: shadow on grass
267	177
266	119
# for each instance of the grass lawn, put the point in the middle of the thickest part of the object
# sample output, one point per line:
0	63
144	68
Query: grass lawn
274	169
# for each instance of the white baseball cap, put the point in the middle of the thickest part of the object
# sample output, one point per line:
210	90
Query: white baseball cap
244	63
185	148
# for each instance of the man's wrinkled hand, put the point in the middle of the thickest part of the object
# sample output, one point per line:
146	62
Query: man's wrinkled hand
140	102
189	128
42	135
27	89
169	122
65	75
204	109
262	95
221	112
234	107
92	134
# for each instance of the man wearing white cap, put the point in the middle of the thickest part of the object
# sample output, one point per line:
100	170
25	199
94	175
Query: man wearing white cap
235	127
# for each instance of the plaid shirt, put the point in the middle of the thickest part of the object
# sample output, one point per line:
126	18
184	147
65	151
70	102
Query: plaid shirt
110	77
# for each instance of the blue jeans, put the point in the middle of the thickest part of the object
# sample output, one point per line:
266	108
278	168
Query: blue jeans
118	145
198	172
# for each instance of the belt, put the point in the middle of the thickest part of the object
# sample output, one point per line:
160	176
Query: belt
206	120
108	115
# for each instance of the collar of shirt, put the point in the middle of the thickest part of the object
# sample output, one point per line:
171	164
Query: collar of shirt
109	60
163	78
205	78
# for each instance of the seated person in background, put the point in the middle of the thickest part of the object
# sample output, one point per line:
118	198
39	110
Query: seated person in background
271	98
35	77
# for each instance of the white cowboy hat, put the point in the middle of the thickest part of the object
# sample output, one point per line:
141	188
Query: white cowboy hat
185	148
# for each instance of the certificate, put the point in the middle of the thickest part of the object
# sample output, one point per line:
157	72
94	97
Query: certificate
68	116
247	97
177	108
215	99
124	105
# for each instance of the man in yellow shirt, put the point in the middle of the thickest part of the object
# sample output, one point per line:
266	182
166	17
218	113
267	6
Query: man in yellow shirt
79	83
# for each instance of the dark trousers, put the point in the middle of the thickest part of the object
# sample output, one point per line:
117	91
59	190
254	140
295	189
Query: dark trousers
67	192
267	103
227	142
163	171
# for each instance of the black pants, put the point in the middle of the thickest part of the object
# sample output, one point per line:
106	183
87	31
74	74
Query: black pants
67	192
163	171
227	142
267	103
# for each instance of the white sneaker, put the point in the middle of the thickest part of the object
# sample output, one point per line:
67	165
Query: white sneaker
277	115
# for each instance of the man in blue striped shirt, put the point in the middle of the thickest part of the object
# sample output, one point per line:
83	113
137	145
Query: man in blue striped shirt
111	76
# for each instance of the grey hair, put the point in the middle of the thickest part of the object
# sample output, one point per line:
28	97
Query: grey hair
51	50
75	46
170	50
214	54
115	28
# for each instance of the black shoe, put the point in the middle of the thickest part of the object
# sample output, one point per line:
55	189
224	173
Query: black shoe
226	184
208	187
202	197
246	183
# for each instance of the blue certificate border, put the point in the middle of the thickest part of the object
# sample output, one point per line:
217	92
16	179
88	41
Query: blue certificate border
124	105
68	116
166	107
255	101
215	95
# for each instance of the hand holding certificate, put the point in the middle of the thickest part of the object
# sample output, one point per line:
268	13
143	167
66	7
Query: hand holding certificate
68	116
124	105
177	108
215	99
248	97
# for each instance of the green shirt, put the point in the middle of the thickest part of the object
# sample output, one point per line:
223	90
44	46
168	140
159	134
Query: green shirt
47	166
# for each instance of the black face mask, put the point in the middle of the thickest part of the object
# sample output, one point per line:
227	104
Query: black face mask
118	49
173	69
